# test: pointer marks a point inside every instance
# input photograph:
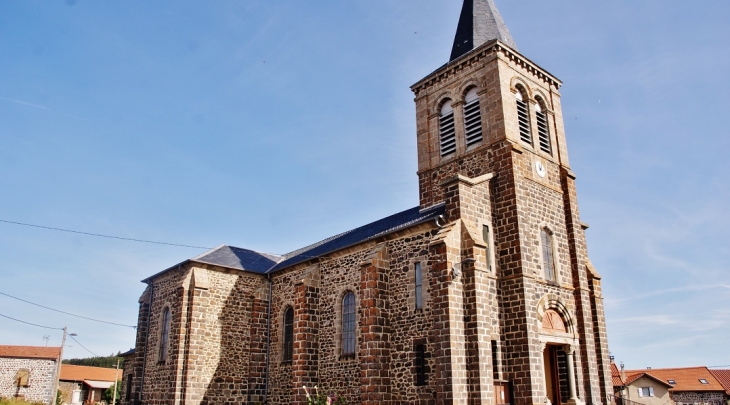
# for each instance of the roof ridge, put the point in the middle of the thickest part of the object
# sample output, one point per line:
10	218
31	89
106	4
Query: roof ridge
665	368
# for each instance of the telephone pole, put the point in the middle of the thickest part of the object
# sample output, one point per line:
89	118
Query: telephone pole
54	394
114	400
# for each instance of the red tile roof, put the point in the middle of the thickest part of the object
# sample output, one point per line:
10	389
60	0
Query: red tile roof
686	378
31	352
630	379
723	377
616	376
80	373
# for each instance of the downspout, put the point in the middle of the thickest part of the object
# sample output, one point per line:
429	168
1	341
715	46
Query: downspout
146	341
268	344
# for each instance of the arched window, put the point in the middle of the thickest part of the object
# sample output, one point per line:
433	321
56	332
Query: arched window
165	335
543	135
348	324
288	348
472	118
447	131
547	254
523	117
419	284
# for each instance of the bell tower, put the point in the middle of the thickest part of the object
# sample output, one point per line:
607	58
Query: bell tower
491	113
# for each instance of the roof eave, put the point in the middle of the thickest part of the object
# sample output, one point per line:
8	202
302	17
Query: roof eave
380	235
474	52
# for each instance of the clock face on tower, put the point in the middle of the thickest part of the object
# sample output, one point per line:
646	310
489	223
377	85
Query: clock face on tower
540	169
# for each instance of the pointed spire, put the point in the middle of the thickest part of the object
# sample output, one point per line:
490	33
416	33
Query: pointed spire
479	23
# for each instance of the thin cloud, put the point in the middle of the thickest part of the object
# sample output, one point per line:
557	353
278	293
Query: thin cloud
25	103
650	320
615	302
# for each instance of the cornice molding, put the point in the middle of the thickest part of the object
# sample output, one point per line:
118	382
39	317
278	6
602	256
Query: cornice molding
494	47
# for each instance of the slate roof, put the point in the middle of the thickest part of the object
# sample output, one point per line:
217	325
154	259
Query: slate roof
723	377
70	372
686	378
264	263
31	352
393	223
238	258
479	23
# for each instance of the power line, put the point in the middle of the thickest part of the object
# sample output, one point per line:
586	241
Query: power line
48	327
102	236
72	337
67	313
28	323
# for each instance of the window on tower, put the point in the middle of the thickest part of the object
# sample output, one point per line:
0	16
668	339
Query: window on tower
447	131
523	117
548	260
472	118
543	134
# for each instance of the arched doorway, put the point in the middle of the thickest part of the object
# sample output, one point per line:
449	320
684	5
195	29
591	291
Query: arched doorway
558	341
554	359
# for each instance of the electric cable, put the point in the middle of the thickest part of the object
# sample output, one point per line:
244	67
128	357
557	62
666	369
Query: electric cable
67	313
72	337
29	323
102	236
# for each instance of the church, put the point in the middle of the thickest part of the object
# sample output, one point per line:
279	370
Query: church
482	294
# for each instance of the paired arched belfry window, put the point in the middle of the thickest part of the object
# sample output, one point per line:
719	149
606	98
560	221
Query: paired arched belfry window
447	131
348	324
523	117
548	261
472	117
165	335
288	349
543	135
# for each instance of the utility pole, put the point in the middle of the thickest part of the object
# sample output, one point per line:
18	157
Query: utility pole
54	393
114	400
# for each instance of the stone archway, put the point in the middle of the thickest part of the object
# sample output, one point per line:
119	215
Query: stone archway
558	343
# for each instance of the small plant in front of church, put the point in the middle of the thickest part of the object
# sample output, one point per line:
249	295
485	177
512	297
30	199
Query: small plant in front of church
322	399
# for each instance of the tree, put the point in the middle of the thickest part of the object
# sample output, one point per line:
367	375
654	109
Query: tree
109	393
106	362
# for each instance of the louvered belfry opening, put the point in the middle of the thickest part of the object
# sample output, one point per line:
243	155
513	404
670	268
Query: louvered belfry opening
472	118
543	135
447	131
523	116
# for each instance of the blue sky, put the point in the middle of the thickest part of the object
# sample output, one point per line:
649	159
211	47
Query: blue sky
271	125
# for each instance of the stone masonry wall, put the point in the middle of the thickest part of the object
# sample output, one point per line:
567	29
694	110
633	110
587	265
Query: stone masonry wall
699	397
40	383
223	313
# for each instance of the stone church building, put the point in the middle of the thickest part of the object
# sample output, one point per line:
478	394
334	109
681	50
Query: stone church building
482	294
